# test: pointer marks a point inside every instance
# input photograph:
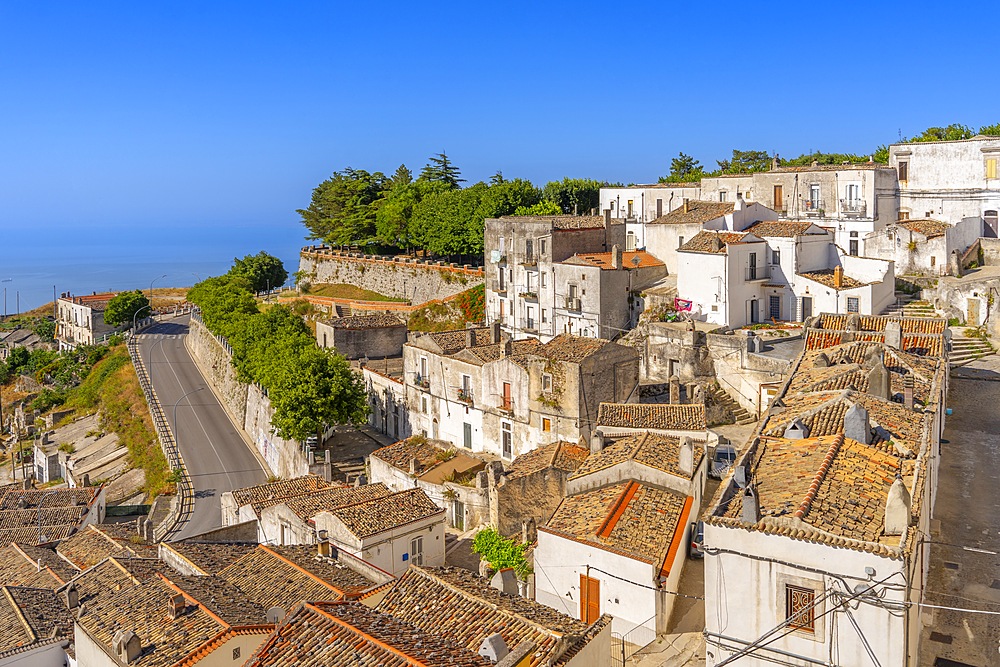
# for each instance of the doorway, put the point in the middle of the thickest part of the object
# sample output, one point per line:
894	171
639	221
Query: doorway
807	307
590	599
754	311
972	312
779	199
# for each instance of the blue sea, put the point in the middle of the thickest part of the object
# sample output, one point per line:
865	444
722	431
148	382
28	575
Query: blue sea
34	262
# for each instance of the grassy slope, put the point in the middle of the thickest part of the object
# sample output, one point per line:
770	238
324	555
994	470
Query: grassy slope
345	291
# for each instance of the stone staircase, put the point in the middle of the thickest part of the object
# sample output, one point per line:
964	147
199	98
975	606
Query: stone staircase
908	305
967	348
721	398
343	310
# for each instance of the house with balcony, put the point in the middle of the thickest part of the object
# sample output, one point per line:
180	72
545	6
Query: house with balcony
638	205
949	180
520	253
849	200
80	319
507	397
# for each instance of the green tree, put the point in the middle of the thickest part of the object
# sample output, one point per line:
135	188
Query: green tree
261	271
684	169
544	207
990	130
224	302
402	176
343	207
953	132
745	162
574	196
501	552
123	306
439	169
395	212
881	154
822	158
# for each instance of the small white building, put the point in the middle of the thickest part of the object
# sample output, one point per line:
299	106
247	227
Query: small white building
246	504
616	544
923	247
290	521
391	532
80	319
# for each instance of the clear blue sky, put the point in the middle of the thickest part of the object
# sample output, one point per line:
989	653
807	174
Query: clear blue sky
191	113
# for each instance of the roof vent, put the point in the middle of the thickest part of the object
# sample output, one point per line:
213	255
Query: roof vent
742	476
897	508
821	361
751	508
71	596
505	581
274	615
126	646
796	430
176	606
685	456
494	648
856	425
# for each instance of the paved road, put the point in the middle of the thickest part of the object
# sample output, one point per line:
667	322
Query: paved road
216	456
967	516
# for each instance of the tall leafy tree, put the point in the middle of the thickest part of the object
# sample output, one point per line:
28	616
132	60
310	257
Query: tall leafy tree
745	162
261	271
402	176
343	207
123	306
822	158
952	132
439	169
574	196
990	130
683	169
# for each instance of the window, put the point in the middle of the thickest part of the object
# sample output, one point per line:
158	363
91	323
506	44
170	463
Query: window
529	247
800	608
467	435
423	368
546	424
545	316
541	246
774	303
853	247
417	551
904	215
775	257
466	384
530	320
903	171
507	440
630	242
236	653
933	260
852	304
723	195
546	382
542	280
852	194
503	245
991	167
423	404
680	241
630	208
659	207
814	200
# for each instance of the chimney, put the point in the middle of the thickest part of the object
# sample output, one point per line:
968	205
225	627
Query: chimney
495	332
470	338
507	347
774	163
821	361
505	581
897	508
751	508
71	596
176	606
716	243
838	276
685	456
687	205
494	648
607	218
322	544
796	430
126	645
908	391
856	425
815	163
893	335
596	442
529	532
414	465
616	257
878	381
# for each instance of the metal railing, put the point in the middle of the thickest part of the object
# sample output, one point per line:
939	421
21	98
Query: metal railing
813	206
573	303
184	506
762	272
853	206
624	646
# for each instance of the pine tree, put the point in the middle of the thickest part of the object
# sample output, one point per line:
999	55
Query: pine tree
439	169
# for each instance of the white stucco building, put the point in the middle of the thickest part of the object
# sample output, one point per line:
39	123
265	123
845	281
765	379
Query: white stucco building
923	247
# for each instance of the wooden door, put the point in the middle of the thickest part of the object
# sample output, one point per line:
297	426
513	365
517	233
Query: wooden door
506	396
590	599
972	312
779	198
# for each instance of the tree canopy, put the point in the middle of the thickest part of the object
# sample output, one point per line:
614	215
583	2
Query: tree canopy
684	169
574	196
123	307
343	207
439	169
261	271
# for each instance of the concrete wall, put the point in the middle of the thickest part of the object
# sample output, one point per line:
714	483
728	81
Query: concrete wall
279	525
222	655
648	201
513	501
400	279
387	396
373	342
244	531
663	240
725	188
741	373
283	457
214	361
991	251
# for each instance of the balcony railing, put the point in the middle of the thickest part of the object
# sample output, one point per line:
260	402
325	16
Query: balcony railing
465	396
529	259
500	287
506	404
814	207
530	325
421	380
529	295
573	303
751	273
854	207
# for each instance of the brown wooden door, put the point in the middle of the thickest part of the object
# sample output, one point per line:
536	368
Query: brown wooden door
779	198
506	395
590	599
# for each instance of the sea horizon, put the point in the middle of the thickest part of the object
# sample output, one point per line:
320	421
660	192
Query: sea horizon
81	261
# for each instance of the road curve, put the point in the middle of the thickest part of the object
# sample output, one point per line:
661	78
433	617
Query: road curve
215	455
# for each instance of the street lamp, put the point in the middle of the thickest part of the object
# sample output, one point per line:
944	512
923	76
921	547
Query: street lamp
44	496
151	286
137	312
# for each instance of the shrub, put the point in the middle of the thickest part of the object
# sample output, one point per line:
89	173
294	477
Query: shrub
501	552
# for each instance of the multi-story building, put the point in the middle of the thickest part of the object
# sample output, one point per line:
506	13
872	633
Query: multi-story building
80	319
923	247
490	394
949	180
639	204
815	544
521	252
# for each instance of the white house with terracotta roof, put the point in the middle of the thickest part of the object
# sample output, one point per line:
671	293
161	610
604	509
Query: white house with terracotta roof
814	543
923	247
80	319
617	542
290	520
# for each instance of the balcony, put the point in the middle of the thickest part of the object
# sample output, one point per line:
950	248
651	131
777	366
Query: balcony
498	286
529	259
465	396
422	381
529	296
530	326
754	273
573	304
854	208
814	208
506	405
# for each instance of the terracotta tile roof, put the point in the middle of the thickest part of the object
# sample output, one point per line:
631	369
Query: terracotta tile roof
574	349
825	277
334	569
711	241
30	617
272	579
308	506
629	518
453	341
219	596
94	543
652	416
603	260
656	451
779	228
374	321
351	635
876	323
284	488
45	516
929	228
96	302
210	558
519	349
699	212
29	535
17	499
455	603
381	514
559	455
399	454
113	574
19	567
